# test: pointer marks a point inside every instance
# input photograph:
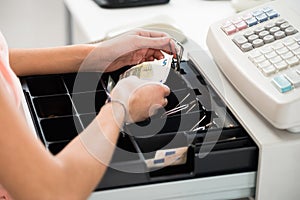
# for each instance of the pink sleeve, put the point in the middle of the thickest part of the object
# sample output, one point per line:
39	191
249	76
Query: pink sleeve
13	85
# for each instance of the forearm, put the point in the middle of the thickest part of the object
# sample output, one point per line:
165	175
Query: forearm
30	172
54	60
94	149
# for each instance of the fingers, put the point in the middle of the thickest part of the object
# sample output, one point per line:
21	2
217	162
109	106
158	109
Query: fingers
153	54
165	102
151	33
166	90
167	44
152	43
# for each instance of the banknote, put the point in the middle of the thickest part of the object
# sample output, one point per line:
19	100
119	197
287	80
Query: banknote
168	157
157	70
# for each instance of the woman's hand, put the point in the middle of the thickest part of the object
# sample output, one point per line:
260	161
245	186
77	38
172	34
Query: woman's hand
140	98
130	48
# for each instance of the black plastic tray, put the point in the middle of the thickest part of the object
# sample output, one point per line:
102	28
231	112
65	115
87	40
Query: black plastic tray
62	106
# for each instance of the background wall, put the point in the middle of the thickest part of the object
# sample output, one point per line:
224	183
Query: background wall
33	23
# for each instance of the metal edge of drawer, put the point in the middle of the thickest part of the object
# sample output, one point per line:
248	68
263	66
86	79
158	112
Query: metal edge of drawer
230	186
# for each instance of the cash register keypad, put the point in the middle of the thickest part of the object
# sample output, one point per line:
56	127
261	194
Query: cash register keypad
271	43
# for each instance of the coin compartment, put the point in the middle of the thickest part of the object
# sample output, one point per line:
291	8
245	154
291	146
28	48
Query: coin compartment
62	105
53	106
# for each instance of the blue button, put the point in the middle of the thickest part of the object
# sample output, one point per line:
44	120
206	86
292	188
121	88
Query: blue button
282	84
261	18
267	9
257	12
272	14
252	21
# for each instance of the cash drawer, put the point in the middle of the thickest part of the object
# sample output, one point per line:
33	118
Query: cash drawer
217	149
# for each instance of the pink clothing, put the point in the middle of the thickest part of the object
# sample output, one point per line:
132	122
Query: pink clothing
12	86
6	74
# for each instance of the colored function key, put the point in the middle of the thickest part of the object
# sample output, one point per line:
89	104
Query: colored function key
257	13
230	29
262	18
282	84
272	14
252	21
241	25
267	9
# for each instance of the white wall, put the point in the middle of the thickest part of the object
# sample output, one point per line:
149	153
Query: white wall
33	23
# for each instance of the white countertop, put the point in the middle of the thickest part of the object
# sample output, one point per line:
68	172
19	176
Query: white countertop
193	17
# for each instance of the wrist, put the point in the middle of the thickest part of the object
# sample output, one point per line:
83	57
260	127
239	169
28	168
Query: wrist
117	111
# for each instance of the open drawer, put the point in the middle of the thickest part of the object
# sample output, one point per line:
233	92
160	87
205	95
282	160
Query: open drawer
199	150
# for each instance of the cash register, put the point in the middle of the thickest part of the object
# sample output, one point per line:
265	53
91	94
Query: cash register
228	149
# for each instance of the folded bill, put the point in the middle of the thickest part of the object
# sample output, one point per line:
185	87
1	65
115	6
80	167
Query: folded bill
157	70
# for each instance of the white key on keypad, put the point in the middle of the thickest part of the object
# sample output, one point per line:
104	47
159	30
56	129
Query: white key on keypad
287	55
288	41
265	50
282	50
293	46
264	64
293	61
259	59
296	51
267	71
281	65
271	54
293	77
276	59
277	45
254	54
297	38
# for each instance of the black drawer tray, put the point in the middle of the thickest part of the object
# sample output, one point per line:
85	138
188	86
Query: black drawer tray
62	105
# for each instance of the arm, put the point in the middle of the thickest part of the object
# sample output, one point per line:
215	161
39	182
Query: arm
28	171
49	60
129	48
